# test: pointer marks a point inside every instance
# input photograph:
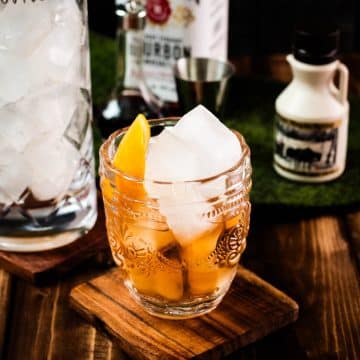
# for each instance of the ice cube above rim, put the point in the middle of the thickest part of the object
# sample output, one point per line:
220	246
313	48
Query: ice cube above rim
199	146
205	142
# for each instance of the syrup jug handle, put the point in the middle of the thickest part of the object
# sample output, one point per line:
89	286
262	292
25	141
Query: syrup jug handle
342	91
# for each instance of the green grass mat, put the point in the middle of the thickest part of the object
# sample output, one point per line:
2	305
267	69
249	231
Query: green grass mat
253	116
251	111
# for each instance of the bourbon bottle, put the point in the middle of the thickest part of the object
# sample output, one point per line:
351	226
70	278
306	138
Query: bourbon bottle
126	101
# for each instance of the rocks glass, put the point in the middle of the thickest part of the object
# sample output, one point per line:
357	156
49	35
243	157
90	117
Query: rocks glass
47	187
168	278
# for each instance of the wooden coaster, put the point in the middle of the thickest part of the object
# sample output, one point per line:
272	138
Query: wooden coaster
251	310
44	266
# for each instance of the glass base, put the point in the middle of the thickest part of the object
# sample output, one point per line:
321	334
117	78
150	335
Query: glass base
176	311
39	243
39	231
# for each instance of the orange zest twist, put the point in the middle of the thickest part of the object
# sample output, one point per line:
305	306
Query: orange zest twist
130	159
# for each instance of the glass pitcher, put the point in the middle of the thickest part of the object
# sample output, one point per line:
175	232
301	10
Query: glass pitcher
47	182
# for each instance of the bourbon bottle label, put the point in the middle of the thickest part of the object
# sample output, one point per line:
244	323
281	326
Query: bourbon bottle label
133	49
177	28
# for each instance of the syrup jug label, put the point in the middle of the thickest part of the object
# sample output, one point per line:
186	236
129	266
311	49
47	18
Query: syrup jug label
306	148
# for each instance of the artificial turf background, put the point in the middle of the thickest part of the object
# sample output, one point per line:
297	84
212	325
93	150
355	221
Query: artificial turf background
251	111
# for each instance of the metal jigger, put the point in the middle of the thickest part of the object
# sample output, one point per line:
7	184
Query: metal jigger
202	81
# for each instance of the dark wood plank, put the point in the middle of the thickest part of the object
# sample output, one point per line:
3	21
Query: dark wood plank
353	230
44	327
43	266
251	310
5	294
312	262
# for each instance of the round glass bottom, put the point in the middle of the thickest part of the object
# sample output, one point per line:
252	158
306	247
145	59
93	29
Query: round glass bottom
176	311
48	242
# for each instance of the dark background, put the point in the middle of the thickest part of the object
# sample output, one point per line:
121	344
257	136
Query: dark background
262	27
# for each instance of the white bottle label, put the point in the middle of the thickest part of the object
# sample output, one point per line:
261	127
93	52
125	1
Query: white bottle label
309	149
175	28
134	48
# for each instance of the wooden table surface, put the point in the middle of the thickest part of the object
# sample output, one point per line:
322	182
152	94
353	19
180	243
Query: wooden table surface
315	260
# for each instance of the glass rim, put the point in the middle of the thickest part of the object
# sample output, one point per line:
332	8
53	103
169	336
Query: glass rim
105	159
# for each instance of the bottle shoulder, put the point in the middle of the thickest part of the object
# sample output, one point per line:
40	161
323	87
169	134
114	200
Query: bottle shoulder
301	103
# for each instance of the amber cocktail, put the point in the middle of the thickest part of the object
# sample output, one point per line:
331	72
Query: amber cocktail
178	251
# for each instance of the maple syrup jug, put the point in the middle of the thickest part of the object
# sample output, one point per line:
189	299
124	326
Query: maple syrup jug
311	125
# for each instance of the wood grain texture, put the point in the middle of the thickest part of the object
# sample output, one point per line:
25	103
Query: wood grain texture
311	260
251	310
44	327
43	266
5	297
353	232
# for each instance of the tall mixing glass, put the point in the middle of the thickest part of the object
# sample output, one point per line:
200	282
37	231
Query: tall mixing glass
47	187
